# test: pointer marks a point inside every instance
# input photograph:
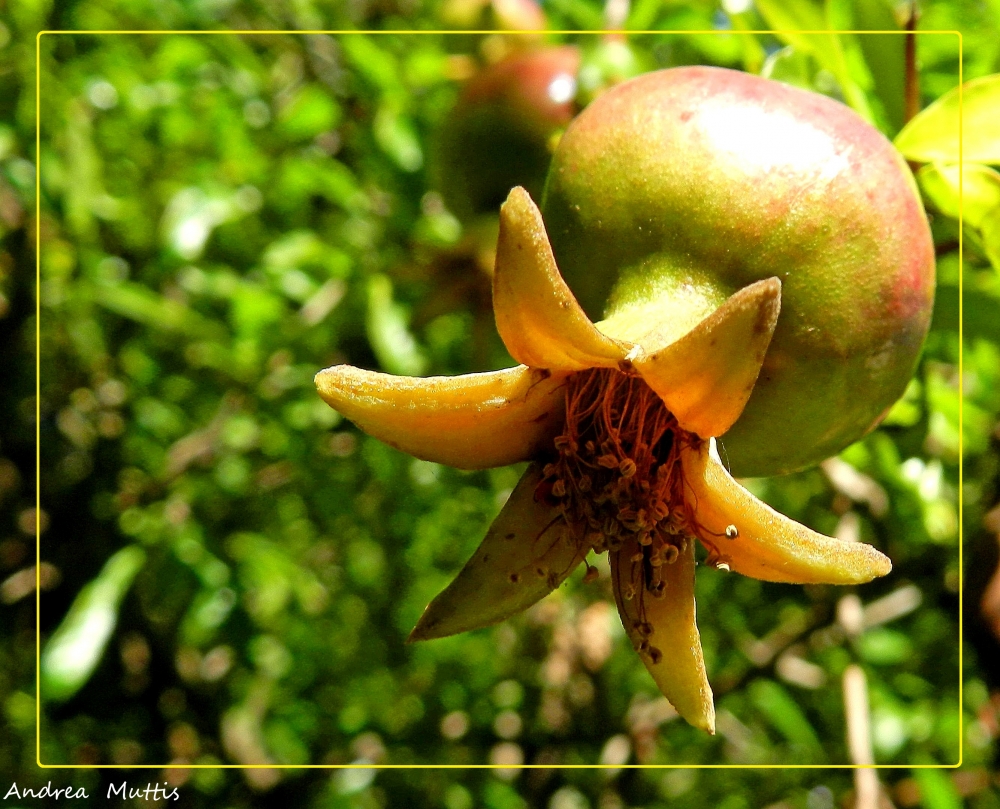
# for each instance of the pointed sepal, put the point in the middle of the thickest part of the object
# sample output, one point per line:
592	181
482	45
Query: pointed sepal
753	539
663	629
528	552
475	421
538	317
706	376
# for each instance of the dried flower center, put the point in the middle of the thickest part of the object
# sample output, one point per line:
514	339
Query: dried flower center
617	478
617	470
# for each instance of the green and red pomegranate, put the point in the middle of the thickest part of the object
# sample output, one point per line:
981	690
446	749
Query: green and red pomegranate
674	190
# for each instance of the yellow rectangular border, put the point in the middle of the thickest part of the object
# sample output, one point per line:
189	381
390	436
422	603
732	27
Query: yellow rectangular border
566	32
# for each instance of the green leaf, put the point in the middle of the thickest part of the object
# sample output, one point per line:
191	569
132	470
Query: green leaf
784	714
388	331
580	15
908	410
936	790
191	216
303	249
377	65
790	66
884	54
311	112
642	14
395	133
76	647
253	309
790	18
299	178
884	647
142	305
990	231
980	186
933	134
978	316
753	51
207	612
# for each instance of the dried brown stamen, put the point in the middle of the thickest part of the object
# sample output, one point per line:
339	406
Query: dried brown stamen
616	471
617	462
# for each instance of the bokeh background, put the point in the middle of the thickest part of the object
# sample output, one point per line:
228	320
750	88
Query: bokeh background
229	571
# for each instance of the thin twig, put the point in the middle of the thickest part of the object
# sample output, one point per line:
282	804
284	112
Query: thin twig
615	14
859	739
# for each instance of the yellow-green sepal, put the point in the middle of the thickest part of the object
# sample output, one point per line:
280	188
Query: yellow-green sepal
706	376
528	552
672	652
755	540
538	317
475	421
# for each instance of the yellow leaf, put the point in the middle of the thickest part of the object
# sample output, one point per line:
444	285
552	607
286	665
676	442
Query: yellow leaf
933	134
980	190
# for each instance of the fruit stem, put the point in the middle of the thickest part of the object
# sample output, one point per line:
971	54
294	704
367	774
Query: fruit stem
911	88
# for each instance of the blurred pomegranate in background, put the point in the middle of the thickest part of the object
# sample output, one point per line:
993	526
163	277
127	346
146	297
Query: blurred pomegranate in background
500	133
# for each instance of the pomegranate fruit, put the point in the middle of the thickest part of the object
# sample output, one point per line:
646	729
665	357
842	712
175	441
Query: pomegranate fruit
672	191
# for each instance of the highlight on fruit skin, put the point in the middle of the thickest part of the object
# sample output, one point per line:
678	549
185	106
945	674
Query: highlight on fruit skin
620	418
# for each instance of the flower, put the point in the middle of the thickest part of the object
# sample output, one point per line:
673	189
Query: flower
622	434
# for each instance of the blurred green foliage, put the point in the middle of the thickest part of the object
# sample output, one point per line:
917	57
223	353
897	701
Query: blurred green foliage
223	216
